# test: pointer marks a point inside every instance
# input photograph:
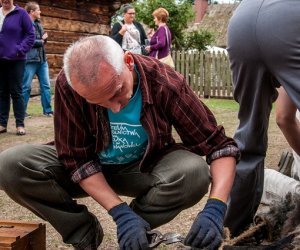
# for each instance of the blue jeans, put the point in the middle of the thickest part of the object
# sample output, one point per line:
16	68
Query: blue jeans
42	72
11	75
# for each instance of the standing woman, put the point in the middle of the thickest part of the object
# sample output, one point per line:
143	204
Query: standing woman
129	33
16	39
160	43
36	62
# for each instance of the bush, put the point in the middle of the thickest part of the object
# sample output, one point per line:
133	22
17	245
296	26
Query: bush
181	13
198	39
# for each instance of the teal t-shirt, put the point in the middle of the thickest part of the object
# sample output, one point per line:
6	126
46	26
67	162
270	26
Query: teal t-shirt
129	138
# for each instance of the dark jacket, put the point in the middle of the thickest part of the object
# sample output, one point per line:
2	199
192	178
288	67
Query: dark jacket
118	37
16	36
37	53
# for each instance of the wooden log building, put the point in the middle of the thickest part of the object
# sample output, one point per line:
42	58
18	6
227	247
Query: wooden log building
68	20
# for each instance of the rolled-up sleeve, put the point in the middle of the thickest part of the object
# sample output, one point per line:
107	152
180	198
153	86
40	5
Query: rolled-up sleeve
74	141
198	129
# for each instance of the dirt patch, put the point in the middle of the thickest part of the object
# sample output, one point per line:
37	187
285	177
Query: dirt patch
40	130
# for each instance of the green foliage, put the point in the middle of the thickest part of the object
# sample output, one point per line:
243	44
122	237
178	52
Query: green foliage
198	39
181	13
117	17
221	104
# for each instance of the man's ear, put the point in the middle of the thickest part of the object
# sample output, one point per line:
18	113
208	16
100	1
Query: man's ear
128	59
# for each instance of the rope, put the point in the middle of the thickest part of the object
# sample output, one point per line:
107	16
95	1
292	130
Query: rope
246	234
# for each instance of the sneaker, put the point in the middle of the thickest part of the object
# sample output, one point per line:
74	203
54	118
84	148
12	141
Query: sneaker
27	115
50	114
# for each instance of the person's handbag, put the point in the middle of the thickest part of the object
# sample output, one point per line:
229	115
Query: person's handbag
168	59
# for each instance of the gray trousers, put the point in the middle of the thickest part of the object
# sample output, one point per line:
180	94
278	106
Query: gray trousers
264	50
33	177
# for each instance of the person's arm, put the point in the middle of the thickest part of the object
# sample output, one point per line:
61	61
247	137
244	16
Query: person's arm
161	41
74	131
223	172
131	228
196	124
287	121
107	198
118	32
199	131
207	229
39	42
44	35
29	34
150	33
75	146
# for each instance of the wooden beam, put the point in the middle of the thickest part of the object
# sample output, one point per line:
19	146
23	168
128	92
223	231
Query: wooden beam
64	36
52	23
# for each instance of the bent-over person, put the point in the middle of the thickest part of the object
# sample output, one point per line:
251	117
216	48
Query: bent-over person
114	114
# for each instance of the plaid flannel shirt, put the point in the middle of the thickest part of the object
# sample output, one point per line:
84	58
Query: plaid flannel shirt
82	129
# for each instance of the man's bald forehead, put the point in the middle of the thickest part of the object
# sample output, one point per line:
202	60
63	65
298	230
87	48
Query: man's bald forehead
83	58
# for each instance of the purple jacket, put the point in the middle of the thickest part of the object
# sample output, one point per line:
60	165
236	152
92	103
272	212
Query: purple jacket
17	35
160	47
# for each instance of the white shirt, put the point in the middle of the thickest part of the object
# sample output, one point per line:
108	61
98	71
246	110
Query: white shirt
1	18
131	39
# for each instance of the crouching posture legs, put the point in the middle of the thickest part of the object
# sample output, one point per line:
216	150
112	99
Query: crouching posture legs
33	177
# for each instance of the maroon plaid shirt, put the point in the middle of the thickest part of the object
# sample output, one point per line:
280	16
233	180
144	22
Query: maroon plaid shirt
82	129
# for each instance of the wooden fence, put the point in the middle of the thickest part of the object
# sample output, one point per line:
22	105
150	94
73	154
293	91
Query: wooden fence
208	73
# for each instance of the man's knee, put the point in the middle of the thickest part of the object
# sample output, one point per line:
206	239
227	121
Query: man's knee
197	180
9	160
191	172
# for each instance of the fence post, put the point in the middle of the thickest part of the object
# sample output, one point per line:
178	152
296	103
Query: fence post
207	74
197	81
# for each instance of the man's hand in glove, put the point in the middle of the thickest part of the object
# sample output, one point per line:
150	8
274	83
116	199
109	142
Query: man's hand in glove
207	229
131	228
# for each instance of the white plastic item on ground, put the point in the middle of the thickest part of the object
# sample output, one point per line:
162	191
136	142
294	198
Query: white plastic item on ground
277	186
296	164
295	171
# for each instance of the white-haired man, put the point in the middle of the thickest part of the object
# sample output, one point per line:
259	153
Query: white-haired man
114	114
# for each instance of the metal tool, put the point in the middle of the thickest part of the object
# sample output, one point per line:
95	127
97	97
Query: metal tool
156	238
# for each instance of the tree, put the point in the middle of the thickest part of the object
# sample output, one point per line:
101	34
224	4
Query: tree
181	13
198	39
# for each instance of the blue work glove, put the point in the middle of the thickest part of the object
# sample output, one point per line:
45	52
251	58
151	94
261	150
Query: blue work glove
131	228
207	229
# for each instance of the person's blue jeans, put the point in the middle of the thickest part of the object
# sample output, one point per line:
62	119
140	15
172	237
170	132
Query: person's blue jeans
11	75
42	72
